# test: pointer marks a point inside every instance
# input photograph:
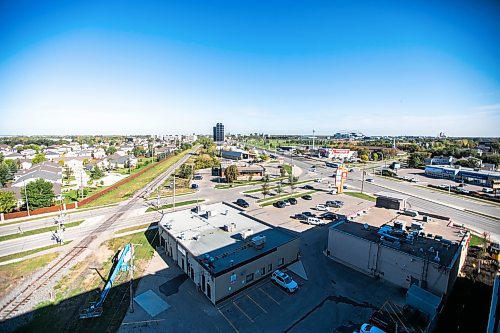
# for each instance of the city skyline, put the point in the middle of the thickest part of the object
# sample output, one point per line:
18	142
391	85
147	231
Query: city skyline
273	67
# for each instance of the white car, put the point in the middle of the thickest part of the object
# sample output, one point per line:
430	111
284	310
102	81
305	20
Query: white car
315	221
321	208
487	190
284	281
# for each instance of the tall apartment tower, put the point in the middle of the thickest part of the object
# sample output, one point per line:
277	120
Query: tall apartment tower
219	133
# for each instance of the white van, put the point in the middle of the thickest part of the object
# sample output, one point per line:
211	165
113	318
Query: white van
319	180
314	221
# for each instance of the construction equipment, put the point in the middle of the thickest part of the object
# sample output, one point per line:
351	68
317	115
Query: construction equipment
95	308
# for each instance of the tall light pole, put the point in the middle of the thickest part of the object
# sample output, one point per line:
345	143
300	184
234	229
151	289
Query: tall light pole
313	138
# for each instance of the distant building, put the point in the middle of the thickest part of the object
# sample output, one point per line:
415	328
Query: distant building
467	175
440	160
223	250
219	133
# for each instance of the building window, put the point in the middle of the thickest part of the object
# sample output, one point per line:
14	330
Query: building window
232	278
249	277
281	261
262	271
269	267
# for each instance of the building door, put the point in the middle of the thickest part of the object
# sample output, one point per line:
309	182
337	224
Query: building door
182	263
209	291
203	282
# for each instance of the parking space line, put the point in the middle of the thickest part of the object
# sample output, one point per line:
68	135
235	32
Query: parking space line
246	315
257	304
230	323
275	301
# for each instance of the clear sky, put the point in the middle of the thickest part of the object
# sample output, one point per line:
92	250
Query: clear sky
160	67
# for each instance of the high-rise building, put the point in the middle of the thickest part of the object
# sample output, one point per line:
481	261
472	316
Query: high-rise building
219	132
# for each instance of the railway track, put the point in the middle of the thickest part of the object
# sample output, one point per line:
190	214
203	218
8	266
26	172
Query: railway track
12	307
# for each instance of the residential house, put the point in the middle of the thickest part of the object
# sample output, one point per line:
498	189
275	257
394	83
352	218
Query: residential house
118	161
440	160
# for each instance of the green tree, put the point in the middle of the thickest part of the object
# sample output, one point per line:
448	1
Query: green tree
292	180
375	156
185	171
40	193
416	160
7	202
68	172
279	188
364	157
12	165
96	173
138	151
39	158
282	172
265	190
110	150
231	173
5	175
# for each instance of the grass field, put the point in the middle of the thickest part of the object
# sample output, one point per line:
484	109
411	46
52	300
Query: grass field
38	231
475	240
27	253
11	274
126	190
83	284
360	195
284	185
177	204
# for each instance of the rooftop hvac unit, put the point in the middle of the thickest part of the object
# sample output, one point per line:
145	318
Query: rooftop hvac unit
211	213
200	208
229	227
399	225
258	242
246	233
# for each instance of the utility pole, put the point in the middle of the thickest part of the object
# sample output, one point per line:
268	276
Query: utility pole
81	183
173	210
363	178
313	138
131	272
26	197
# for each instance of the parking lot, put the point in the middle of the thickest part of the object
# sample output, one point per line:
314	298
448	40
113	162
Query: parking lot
424	180
282	217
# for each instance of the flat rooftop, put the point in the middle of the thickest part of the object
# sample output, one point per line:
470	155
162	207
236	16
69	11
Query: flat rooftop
205	238
378	217
391	195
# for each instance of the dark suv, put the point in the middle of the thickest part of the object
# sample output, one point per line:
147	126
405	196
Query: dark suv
242	203
279	204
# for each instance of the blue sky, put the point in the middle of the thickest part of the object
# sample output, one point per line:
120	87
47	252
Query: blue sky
144	67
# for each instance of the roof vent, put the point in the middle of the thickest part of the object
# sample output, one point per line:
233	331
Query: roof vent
211	213
229	227
366	226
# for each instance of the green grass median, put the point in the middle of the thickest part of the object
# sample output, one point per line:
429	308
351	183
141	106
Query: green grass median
38	231
360	195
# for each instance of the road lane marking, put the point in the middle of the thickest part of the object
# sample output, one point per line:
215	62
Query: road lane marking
246	315
257	304
269	296
230	323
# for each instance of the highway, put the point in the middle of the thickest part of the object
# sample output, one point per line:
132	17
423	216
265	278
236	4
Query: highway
423	199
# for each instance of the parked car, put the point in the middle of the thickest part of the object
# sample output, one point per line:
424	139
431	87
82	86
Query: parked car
242	203
333	204
292	201
462	185
284	281
333	191
410	212
308	187
309	214
318	180
367	328
300	217
195	186
279	204
370	180
321	207
487	190
464	191
328	216
307	197
413	180
315	221
197	177
287	202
